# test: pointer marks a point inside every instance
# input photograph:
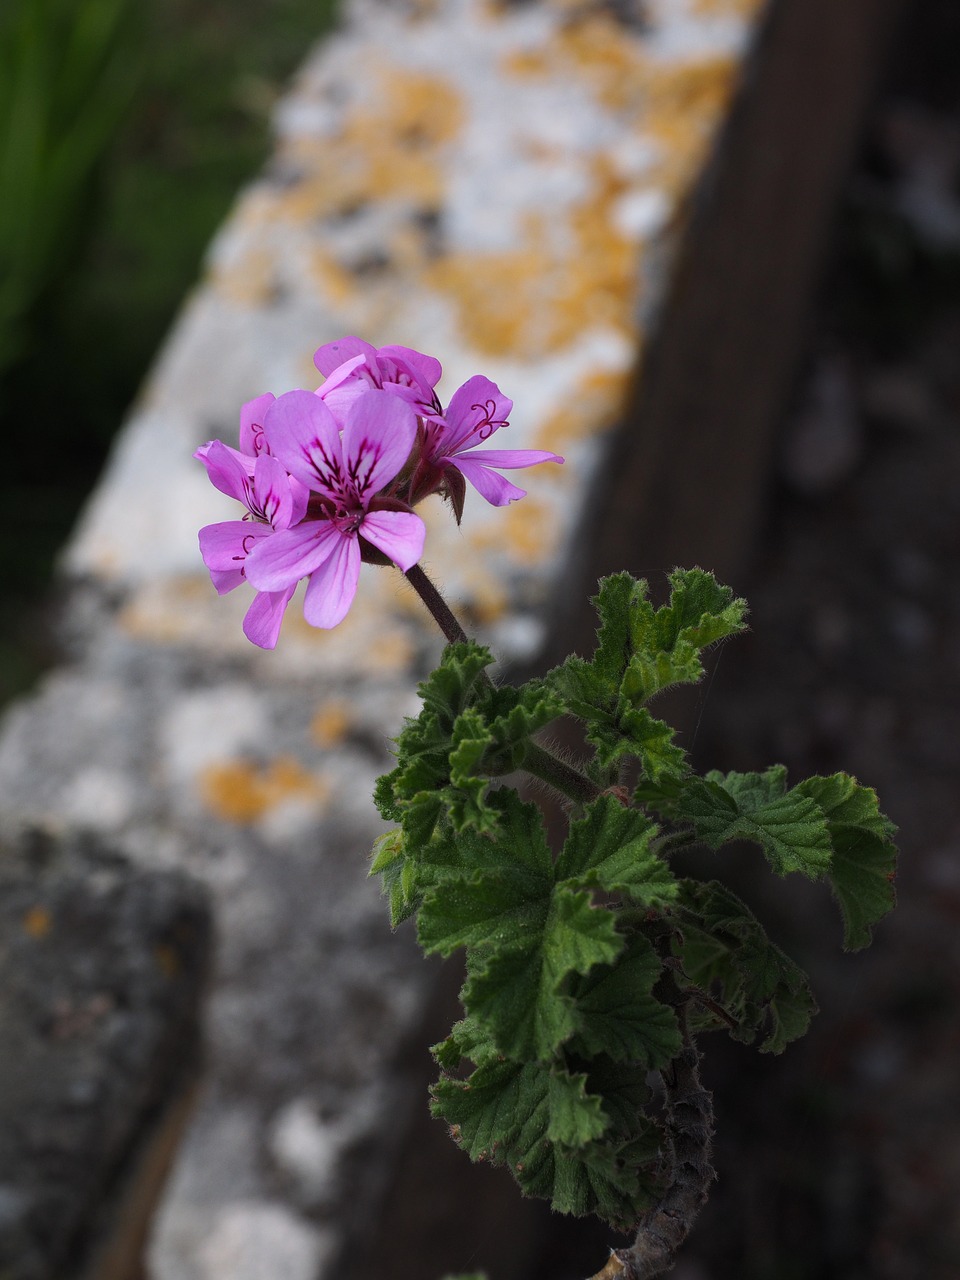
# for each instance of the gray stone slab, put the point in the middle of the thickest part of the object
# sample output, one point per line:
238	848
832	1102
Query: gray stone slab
102	968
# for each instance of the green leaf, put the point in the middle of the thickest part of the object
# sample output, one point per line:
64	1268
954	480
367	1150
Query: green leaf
397	876
545	1124
609	848
789	826
725	951
618	1014
517	993
640	652
864	856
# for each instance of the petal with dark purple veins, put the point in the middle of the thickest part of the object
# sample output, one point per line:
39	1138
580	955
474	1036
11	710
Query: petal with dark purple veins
303	434
284	558
252	442
377	440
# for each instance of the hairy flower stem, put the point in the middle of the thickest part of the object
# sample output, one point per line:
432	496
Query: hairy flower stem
688	1109
440	611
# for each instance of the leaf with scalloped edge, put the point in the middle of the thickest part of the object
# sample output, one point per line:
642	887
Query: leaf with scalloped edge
544	1123
517	994
618	1014
789	826
864	856
609	848
725	951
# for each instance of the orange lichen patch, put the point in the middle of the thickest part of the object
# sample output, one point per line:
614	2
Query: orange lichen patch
684	105
333	280
386	148
169	609
524	532
390	650
594	404
727	8
240	791
250	279
331	723
540	297
37	922
592	51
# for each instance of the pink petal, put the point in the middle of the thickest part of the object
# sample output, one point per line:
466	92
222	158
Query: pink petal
283	559
476	410
252	414
423	371
226	469
377	440
507	458
332	354
333	585
494	488
398	534
225	546
225	580
303	434
271	487
261	624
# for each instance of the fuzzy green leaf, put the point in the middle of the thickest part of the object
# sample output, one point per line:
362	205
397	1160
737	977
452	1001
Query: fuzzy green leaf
489	888
641	651
725	951
618	1014
518	993
554	1135
864	859
609	848
789	826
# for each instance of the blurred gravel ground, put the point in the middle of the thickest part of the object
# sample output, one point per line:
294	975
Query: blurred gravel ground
843	1158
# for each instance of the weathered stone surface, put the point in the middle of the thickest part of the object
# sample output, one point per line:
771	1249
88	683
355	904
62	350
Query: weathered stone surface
101	972
509	188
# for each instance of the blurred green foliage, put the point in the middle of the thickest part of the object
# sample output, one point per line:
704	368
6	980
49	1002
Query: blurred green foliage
127	128
67	73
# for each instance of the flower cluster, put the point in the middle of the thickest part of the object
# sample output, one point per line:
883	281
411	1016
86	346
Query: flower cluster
330	478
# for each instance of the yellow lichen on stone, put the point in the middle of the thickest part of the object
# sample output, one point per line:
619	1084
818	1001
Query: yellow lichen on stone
240	791
331	723
37	922
684	104
744	9
527	529
594	404
386	148
539	298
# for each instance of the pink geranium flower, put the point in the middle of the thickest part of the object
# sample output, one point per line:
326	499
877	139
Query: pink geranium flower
274	500
351	366
452	445
346	477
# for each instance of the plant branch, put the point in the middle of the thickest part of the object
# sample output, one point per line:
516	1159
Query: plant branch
689	1125
441	612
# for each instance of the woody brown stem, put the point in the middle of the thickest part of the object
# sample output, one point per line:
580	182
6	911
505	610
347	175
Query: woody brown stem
688	1114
